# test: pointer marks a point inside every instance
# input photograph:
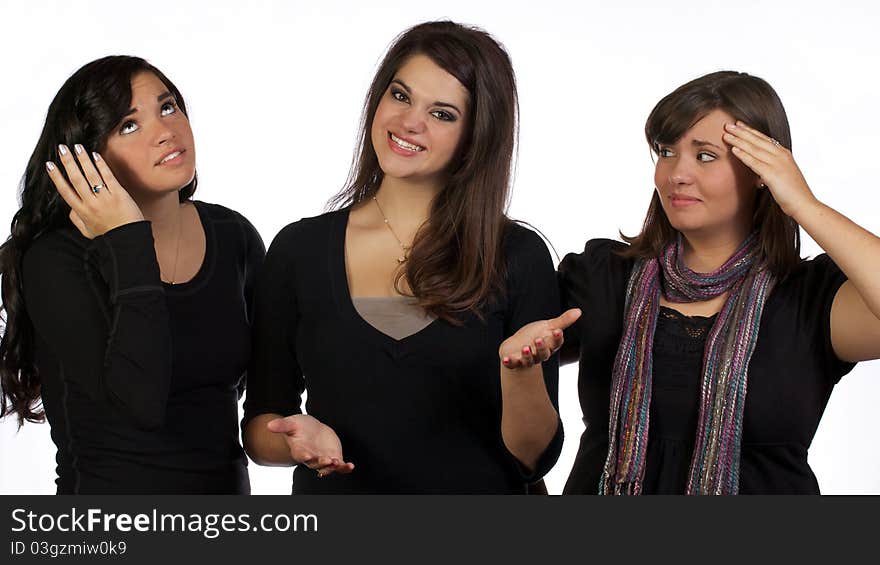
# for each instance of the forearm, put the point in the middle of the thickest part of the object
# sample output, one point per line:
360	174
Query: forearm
854	249
110	329
528	418
265	447
138	361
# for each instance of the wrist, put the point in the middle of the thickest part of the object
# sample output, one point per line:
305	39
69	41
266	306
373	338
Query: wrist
806	210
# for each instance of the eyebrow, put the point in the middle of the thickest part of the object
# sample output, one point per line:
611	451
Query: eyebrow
701	143
164	96
437	103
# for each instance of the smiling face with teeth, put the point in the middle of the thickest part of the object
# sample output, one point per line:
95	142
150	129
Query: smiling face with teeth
151	150
419	122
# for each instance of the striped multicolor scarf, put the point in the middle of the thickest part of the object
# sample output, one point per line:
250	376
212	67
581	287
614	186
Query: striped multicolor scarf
729	347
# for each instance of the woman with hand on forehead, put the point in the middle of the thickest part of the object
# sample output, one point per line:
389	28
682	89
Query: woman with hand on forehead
709	348
127	302
406	314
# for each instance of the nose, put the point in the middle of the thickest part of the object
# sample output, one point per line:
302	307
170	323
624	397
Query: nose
162	133
413	120
681	172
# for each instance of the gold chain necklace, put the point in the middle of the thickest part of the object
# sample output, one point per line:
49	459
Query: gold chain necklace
403	246
177	250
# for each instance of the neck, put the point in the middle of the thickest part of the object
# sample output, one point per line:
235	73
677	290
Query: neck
705	252
406	204
163	213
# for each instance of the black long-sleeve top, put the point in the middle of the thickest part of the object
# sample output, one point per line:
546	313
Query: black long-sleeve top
140	379
416	415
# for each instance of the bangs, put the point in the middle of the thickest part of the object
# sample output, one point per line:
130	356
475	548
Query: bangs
675	115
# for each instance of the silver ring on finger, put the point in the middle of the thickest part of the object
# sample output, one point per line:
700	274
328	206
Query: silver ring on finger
97	187
774	142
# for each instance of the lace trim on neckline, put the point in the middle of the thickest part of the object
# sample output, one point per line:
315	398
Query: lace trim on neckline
695	327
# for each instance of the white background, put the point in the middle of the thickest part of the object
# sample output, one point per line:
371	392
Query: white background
275	88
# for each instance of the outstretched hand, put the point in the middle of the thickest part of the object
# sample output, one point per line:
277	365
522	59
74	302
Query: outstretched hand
97	201
312	443
536	342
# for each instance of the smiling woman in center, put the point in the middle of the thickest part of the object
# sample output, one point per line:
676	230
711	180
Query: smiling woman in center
405	313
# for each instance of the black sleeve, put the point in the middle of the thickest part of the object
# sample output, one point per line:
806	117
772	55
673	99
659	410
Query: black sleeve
275	380
595	278
564	276
534	295
101	309
255	253
823	278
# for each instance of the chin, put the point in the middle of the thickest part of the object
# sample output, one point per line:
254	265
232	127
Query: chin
686	225
392	168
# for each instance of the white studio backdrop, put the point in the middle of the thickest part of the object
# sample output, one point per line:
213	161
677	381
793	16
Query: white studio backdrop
275	88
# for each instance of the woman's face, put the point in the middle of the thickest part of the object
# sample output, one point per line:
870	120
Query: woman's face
152	150
702	186
419	121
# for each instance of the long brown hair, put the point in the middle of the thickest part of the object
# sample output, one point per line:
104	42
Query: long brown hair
746	98
86	109
456	263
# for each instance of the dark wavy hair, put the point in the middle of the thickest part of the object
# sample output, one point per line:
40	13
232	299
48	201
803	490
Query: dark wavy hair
88	107
746	98
455	265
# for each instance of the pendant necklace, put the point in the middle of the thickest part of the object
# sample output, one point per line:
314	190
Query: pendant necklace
177	250
405	248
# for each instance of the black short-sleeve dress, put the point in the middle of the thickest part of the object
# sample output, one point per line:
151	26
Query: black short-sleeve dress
791	375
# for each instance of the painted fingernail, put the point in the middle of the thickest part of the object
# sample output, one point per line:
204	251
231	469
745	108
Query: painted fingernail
539	342
527	350
506	360
95	156
50	166
62	149
78	148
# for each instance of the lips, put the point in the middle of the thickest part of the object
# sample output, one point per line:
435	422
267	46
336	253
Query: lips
678	200
172	156
404	144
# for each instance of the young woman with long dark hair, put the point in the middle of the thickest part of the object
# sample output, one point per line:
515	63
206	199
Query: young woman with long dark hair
391	311
709	348
127	303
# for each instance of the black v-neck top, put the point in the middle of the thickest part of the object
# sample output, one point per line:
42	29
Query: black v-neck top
416	415
791	375
141	379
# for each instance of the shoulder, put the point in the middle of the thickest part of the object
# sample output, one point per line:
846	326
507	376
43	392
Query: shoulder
51	249
813	279
54	260
597	276
57	241
599	255
221	216
304	241
306	229
522	242
218	214
819	266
